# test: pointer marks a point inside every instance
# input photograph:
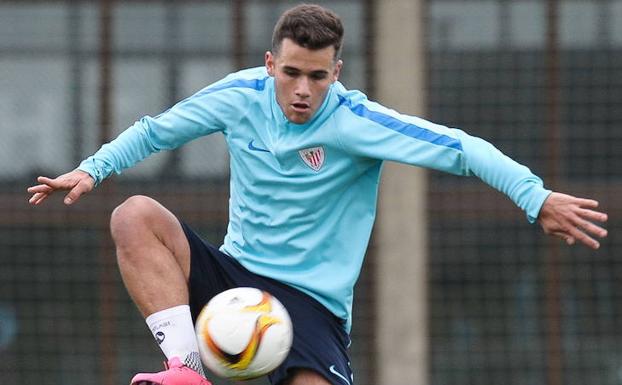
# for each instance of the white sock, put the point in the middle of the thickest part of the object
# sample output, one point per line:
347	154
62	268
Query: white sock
173	330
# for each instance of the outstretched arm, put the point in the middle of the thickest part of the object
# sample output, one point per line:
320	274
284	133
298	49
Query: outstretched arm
77	182
571	219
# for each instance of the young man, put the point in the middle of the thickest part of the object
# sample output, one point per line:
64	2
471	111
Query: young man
306	156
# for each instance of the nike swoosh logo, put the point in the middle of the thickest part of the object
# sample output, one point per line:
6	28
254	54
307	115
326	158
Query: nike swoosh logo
253	148
336	373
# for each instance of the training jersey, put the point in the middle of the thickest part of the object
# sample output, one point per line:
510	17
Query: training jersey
303	196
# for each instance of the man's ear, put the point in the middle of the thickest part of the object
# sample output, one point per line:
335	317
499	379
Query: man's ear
337	70
269	58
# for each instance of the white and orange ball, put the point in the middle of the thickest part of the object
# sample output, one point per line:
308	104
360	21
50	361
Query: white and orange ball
243	333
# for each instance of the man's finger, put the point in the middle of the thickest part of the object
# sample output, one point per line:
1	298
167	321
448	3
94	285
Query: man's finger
33	198
584	238
593	229
592	215
565	237
62	182
591	203
41	188
42	197
73	196
75	193
37	198
46	180
574	235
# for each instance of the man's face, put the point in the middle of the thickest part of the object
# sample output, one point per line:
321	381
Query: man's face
302	78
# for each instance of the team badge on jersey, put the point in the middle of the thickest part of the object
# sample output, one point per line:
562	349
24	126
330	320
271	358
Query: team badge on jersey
313	157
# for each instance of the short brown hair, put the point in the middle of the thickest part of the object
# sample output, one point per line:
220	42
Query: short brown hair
310	26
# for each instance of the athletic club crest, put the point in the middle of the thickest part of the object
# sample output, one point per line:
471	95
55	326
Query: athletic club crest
313	157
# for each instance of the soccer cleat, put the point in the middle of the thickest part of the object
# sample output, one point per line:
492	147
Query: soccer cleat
176	373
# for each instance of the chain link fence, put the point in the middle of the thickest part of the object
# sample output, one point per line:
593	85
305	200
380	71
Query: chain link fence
540	79
543	81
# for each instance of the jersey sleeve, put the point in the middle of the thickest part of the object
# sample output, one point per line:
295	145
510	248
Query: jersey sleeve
212	109
385	134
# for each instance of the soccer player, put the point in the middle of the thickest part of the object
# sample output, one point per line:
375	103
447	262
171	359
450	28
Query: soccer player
306	155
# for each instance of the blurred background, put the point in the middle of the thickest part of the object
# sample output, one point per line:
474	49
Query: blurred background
502	303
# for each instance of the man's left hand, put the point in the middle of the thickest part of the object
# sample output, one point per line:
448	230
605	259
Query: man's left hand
571	219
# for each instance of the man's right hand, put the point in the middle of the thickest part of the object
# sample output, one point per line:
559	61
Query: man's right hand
77	182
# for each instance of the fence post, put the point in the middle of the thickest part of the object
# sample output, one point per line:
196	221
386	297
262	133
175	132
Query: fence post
401	228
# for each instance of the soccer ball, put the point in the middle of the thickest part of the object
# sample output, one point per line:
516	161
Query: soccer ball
243	333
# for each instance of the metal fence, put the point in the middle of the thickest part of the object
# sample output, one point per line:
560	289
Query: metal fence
74	74
540	79
543	81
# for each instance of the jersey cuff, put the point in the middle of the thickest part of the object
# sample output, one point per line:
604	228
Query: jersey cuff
88	166
537	200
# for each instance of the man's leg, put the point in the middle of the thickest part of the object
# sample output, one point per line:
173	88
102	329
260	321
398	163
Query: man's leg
153	255
307	377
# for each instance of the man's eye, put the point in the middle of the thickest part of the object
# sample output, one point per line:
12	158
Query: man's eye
291	73
320	76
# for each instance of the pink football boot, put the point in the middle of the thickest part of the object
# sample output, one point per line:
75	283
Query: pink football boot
176	373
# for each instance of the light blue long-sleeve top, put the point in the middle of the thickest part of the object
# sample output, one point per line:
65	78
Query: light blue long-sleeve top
303	196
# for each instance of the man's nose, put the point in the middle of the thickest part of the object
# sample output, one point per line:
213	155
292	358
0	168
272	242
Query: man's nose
302	87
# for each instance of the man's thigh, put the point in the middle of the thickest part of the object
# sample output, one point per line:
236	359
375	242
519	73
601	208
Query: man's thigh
306	377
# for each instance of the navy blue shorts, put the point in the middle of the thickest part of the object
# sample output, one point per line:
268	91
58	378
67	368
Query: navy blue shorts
320	340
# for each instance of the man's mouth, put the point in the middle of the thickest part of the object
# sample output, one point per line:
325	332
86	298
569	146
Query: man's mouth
300	106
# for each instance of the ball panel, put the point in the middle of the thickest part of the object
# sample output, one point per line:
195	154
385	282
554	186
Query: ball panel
243	333
231	330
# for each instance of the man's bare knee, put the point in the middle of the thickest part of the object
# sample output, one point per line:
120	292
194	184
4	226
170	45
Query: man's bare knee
131	216
142	228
